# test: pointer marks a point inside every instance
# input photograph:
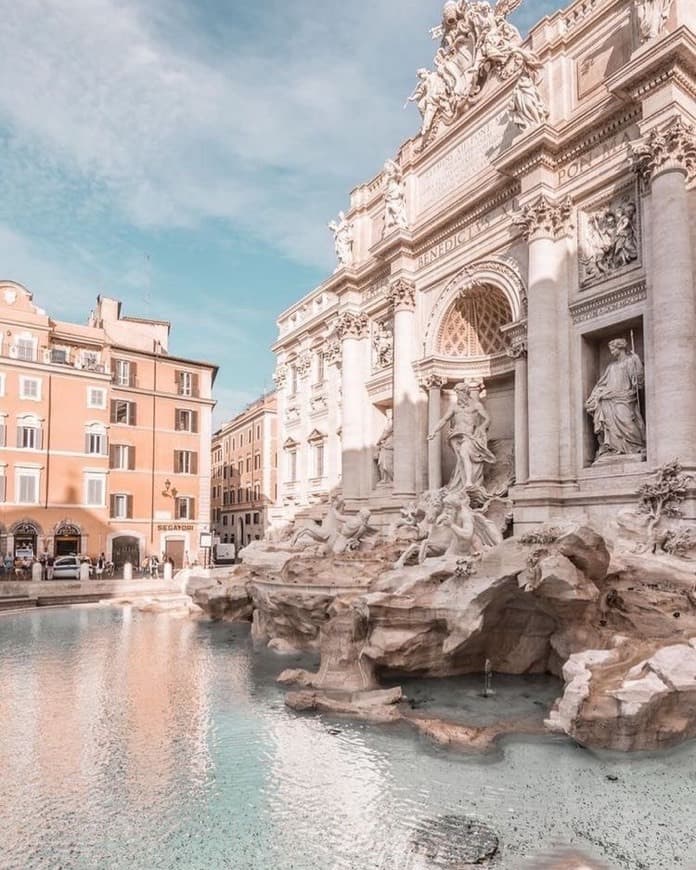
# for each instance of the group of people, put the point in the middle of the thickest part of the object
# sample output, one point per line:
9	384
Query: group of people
151	565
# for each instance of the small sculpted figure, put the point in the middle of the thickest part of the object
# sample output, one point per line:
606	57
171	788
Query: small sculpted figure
394	198
326	532
342	231
652	17
527	108
468	423
385	453
614	404
351	532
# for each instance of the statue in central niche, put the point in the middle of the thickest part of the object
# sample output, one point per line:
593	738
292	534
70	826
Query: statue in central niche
468	423
614	404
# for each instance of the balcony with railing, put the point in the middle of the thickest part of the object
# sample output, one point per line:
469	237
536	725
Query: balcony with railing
76	358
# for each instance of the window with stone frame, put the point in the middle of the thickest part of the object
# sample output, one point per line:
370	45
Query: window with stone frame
184	507
29	434
185	420
185	462
27	485
122	457
123	413
30	388
121	506
95	441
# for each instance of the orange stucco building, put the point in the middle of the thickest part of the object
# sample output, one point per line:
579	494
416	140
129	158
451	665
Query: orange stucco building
104	435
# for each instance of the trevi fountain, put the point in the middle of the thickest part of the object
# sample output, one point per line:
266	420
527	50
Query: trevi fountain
470	641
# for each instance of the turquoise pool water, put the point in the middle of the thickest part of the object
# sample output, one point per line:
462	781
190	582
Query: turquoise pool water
137	741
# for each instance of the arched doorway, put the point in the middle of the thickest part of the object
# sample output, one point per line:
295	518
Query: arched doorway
26	535
125	548
66	541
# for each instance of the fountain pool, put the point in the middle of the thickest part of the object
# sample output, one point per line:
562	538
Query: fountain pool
130	740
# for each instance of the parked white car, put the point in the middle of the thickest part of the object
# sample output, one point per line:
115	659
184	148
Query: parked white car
68	568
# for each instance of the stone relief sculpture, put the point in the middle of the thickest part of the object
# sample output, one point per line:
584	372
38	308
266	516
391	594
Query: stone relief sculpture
468	424
610	240
385	453
527	108
614	404
476	42
383	344
652	17
394	198
338	533
342	230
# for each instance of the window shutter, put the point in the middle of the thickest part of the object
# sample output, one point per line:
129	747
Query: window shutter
87	443
176	466
131	458
132	374
112	506
195	382
192	508
3	484
177	420
194	463
112	456
129	507
194	421
39	439
133	415
20	434
114	416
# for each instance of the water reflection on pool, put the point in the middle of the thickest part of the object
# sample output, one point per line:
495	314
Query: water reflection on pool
140	741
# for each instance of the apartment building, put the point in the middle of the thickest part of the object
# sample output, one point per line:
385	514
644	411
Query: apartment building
244	473
104	435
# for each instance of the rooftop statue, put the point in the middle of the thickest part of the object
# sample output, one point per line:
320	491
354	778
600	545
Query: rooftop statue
394	198
342	230
476	41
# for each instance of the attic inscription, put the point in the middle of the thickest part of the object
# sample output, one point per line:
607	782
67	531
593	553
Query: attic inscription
460	165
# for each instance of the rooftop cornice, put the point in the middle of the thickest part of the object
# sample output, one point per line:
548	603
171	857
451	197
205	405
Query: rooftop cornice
672	57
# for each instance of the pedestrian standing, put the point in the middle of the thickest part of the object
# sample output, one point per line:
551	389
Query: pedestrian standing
101	562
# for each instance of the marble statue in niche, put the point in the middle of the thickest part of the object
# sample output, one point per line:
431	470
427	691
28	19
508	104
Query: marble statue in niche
610	240
476	42
614	404
383	344
342	230
394	198
385	452
467	434
652	17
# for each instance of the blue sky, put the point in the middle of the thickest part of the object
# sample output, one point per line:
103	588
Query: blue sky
185	155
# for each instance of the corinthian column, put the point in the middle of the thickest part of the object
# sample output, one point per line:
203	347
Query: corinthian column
545	224
352	330
433	384
665	159
402	295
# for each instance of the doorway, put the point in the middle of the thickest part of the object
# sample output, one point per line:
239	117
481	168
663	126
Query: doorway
174	550
125	549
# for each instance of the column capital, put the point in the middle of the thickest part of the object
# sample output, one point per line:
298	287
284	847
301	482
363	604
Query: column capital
352	325
517	349
402	295
545	218
432	381
332	351
670	149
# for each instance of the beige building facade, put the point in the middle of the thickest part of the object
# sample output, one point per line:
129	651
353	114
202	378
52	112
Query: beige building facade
104	436
532	246
244	485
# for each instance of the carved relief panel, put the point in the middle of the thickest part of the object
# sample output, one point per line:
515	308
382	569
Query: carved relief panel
609	237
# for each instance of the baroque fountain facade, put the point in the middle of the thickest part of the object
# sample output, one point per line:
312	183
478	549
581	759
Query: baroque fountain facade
487	420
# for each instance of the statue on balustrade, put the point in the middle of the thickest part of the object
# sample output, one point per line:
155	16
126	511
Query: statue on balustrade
614	404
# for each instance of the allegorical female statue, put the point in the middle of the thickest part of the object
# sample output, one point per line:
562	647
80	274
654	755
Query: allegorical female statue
469	423
614	404
385	452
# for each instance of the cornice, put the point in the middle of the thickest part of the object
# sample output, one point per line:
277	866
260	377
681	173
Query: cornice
671	58
607	302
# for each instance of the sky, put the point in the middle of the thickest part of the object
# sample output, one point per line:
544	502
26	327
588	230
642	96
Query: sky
185	156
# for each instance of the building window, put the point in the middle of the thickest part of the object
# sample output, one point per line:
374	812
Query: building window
122	457
258	432
319	459
59	356
185	420
124	373
185	462
321	368
2	384
29	435
257	461
3	430
123	413
224	520
187	384
232	494
247	519
27	486
240	468
90	360
25	348
257	519
248	464
95	490
121	506
3	485
184	508
30	388
95	442
292	466
96	398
